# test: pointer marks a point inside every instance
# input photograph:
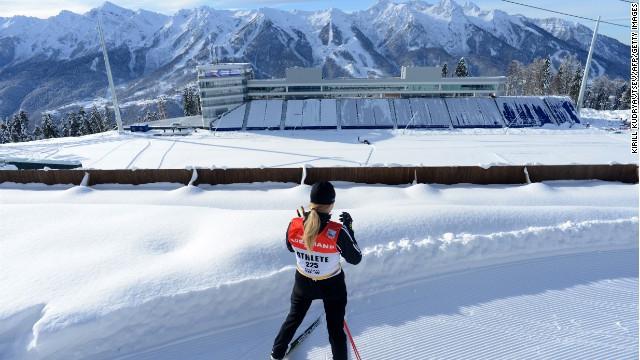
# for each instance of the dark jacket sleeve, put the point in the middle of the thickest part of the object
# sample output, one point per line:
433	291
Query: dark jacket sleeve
286	239
348	246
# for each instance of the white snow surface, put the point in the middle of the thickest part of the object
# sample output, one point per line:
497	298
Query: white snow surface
166	271
551	145
605	119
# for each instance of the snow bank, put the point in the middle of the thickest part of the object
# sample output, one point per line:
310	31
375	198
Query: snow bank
108	272
604	118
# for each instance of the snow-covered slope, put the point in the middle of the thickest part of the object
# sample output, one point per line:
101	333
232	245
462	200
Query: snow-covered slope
90	282
48	63
282	148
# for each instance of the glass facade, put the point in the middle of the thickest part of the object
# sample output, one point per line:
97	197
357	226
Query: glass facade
469	87
208	92
212	102
222	87
304	88
267	89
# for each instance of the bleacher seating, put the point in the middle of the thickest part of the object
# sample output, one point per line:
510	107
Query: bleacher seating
376	113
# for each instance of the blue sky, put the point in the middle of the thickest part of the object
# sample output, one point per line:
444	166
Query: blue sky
614	10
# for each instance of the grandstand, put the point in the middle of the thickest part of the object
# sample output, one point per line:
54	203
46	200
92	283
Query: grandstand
368	113
231	99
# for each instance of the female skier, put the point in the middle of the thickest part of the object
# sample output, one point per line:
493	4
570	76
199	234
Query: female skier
318	243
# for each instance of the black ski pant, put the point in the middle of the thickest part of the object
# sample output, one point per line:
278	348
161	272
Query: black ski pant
333	293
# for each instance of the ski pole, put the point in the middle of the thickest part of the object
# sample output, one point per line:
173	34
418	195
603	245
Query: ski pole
353	344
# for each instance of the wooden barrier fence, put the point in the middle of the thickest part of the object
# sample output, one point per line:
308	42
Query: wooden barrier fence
369	175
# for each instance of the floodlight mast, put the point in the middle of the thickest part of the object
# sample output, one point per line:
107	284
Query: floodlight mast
116	108
585	76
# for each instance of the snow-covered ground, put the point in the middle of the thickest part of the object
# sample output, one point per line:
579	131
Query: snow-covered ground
545	270
604	119
319	148
165	271
602	143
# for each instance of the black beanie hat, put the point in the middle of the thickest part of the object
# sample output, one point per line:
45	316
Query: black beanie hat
323	193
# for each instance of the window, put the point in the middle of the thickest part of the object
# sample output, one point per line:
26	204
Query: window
221	83
422	88
218	102
221	92
467	87
304	88
267	89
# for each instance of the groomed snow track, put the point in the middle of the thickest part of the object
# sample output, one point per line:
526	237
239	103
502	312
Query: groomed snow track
453	272
371	113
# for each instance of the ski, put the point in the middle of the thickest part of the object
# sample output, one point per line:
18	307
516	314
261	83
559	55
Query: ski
297	341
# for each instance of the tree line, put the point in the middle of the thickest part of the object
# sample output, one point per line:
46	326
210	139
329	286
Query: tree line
190	105
461	69
73	123
539	79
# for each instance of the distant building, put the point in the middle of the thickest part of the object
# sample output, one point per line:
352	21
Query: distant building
222	87
225	86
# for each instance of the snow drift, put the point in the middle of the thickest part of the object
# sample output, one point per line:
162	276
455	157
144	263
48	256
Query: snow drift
110	271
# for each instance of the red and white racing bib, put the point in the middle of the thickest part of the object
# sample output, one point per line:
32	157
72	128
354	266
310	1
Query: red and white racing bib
324	259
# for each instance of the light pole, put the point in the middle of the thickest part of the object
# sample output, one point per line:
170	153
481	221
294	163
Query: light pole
116	108
585	76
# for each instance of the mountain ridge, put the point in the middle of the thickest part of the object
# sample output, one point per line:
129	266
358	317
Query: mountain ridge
49	63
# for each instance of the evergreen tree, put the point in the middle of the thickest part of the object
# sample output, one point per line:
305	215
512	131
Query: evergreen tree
561	82
461	68
95	120
620	87
14	129
108	118
191	101
24	126
4	133
514	79
605	93
17	127
574	88
162	107
85	125
150	116
49	129
625	99
187	101
37	133
72	124
546	76
598	95
445	70
66	131
196	101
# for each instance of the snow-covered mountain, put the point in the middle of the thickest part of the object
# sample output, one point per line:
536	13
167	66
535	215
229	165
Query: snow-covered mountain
49	63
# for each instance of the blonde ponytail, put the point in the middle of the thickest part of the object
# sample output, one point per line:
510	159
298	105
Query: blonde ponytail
312	224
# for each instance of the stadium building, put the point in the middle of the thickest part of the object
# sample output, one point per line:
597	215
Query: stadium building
231	99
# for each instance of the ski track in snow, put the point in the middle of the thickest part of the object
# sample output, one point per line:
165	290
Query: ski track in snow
118	145
202	285
277	148
516	310
165	154
138	155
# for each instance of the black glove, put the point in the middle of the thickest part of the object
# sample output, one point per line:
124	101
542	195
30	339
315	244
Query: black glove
346	220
